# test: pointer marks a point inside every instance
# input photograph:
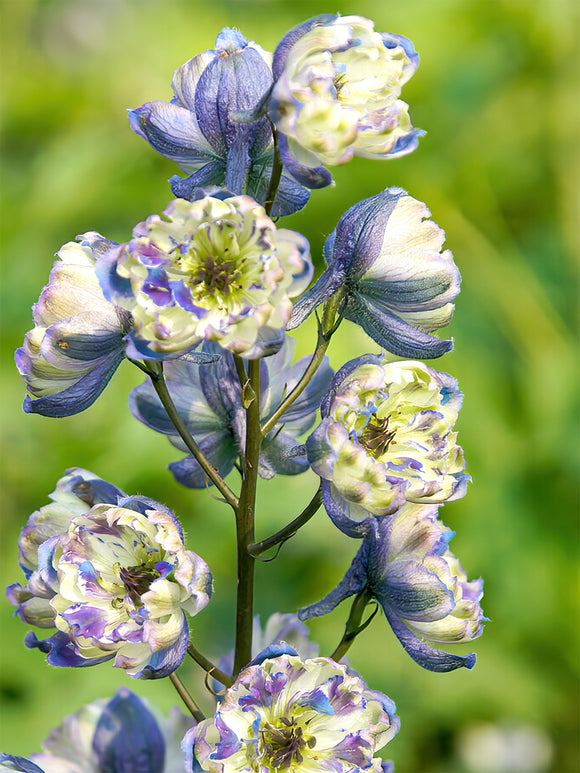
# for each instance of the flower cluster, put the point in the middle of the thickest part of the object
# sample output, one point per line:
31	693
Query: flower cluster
111	573
200	299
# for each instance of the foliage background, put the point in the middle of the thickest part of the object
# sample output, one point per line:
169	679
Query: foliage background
495	91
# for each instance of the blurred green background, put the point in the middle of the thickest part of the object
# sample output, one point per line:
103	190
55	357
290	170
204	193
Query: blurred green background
496	92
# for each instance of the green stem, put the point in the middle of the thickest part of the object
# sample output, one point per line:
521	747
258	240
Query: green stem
325	332
192	707
208	666
257	548
155	372
277	167
245	515
353	624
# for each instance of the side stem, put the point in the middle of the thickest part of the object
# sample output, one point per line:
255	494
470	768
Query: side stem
155	373
257	548
277	167
353	624
325	332
192	707
245	515
208	666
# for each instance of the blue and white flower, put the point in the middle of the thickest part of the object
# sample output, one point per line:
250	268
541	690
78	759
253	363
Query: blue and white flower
78	340
385	258
405	564
386	438
203	131
112	576
285	713
126	734
215	269
209	400
336	93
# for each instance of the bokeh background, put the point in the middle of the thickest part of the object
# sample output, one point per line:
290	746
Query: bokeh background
495	91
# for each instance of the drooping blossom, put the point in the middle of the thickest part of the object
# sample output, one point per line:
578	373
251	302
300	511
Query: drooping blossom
386	438
215	269
202	130
78	340
111	573
336	93
209	400
126	734
286	713
405	564
385	257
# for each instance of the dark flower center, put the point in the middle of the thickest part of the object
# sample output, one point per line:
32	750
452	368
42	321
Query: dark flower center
217	275
283	745
376	437
137	580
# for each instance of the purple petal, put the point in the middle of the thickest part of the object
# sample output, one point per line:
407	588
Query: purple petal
309	177
127	737
292	37
79	396
389	331
426	656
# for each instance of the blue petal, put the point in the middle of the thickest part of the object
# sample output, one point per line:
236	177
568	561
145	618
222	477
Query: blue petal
344	373
340	518
94	490
9	762
172	131
426	656
359	235
220	451
213	173
290	196
352	583
277	457
316	700
393	41
79	396
391	333
61	652
165	661
407	143
273	651
414	592
231	84
310	177
290	38
128	738
238	162
329	282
